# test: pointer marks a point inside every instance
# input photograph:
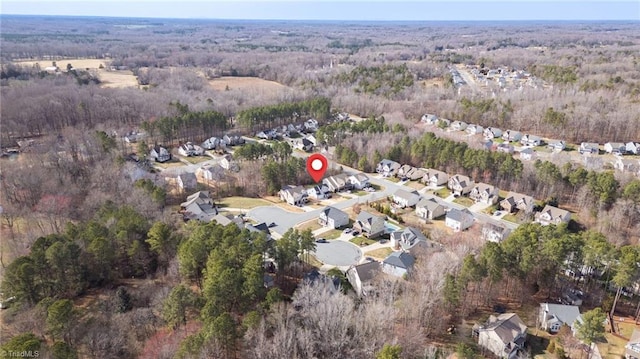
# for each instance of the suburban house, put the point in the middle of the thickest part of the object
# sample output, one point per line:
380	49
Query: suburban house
134	136
304	144
459	126
228	219
387	168
333	218
557	146
210	173
459	220
211	143
632	349
503	335
337	183
632	148
429	209
232	140
512	136
369	225
358	181
552	215
228	163
403	170
159	154
199	206
589	147
318	192
504	147
443	122
398	264
492	132
311	125
405	198
429	119
484	193
407	238
360	277
495	232
189	149
294	195
626	165
617	148
435	178
553	316
187	181
527	154
262	228
531	140
460	184
516	201
474	129
416	174
266	135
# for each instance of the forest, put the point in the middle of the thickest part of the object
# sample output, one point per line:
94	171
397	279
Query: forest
102	265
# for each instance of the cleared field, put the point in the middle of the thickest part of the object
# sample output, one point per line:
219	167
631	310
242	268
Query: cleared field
242	202
244	83
62	64
110	79
380	253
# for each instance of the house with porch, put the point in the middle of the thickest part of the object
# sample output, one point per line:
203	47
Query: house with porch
512	136
474	130
503	335
557	146
160	154
358	180
531	140
405	198
387	168
293	195
429	209
495	232
616	148
460	184
484	193
435	178
552	316
517	202
589	147
199	206
318	192
361	277
337	182
492	132
458	220
370	225
398	264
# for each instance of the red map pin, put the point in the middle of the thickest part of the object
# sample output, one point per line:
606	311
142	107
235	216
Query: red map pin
317	166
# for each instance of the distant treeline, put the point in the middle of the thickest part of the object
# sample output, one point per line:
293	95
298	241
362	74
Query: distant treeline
187	126
265	117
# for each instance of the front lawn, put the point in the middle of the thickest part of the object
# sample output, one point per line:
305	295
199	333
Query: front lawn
331	234
195	159
442	192
380	253
465	201
242	202
362	241
511	218
312	225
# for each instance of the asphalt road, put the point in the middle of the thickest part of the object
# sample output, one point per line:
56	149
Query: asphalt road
338	253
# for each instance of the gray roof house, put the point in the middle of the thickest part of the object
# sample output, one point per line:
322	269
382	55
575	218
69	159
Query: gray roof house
632	147
503	335
459	220
199	206
435	178
552	215
429	119
407	238
358	180
405	198
333	217
557	146
516	201
495	232
387	168
618	148
319	191
632	349
474	129
459	125
492	132
531	140
360	277
589	147
294	195
552	316
512	136
460	184
484	193
398	264
429	209
337	183
211	143
187	181
527	154
369	225
160	154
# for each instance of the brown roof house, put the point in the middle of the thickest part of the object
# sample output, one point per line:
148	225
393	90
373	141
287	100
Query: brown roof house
503	335
517	202
460	184
484	193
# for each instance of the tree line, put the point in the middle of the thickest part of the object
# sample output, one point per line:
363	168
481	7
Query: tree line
266	117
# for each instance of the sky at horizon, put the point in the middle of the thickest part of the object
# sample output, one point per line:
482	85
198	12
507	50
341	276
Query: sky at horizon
355	10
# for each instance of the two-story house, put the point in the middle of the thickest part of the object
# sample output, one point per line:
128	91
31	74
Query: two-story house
429	209
474	130
405	198
460	184
512	136
492	132
371	226
337	182
398	264
616	148
293	195
407	238
553	316
333	218
552	215
435	178
484	193
589	147
458	220
360	277
517	202
503	335
495	232
531	140
358	180
387	168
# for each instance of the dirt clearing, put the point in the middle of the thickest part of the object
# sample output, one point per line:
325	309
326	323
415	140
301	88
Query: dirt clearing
244	83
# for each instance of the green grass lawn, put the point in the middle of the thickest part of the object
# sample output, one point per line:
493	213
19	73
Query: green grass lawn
312	225
511	218
613	346
465	201
332	234
361	193
377	187
243	202
415	185
362	241
195	159
442	192
380	253
168	164
393	179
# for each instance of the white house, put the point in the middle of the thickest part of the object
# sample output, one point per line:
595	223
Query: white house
459	125
160	154
398	264
589	147
626	165
318	192
337	182
552	317
405	198
492	132
460	184
211	143
527	154
531	140
358	180
459	220
474	129
503	335
189	149
199	206
369	225
228	163
435	178
210	173
293	195
387	168
429	119
495	232
557	146
484	193
407	238
512	136
617	148
333	218
632	147
429	209
187	181
505	147
361	276
552	215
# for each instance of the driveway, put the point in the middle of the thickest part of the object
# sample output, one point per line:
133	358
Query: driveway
338	253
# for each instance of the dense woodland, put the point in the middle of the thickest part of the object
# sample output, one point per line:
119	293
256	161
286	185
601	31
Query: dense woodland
103	266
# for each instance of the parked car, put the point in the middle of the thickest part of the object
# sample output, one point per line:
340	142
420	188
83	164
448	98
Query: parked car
321	240
355	233
347	231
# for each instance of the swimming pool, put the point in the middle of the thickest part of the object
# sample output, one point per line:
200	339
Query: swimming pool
390	227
